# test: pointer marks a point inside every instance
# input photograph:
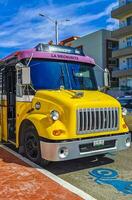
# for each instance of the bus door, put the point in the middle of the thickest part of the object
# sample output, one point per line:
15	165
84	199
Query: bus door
0	106
3	106
11	102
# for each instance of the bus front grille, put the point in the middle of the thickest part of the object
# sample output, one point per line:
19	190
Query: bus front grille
97	120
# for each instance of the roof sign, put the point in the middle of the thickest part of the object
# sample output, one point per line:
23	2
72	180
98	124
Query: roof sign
58	49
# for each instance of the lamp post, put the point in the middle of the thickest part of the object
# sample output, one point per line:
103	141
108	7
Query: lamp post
56	32
56	22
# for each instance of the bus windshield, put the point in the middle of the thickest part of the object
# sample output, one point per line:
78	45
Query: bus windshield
48	74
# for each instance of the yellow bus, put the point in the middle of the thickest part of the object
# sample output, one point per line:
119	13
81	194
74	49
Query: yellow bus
51	107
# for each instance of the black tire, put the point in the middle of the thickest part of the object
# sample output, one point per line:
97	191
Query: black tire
31	145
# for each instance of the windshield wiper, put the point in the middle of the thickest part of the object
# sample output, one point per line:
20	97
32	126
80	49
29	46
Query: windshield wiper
74	77
61	79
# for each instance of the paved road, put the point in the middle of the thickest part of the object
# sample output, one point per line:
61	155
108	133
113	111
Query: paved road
76	172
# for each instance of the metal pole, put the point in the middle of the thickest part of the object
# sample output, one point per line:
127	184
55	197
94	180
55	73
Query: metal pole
55	24
56	32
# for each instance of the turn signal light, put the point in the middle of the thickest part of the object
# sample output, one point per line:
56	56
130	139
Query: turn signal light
58	132
124	126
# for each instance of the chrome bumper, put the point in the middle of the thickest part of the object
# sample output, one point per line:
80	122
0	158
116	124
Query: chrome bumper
52	151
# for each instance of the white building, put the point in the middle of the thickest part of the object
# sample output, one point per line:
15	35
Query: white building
98	45
123	13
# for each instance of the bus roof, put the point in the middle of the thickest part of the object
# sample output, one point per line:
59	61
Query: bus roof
51	52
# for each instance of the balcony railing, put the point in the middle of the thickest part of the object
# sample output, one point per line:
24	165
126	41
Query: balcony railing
123	88
122	4
122	32
122	73
124	24
125	68
121	26
115	69
123	47
115	48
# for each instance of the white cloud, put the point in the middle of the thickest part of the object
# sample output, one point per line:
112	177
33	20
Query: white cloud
112	24
22	31
110	7
81	4
9	43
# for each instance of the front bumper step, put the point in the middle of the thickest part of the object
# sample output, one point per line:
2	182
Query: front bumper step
83	148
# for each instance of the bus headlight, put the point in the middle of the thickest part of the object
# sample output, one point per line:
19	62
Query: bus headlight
54	115
124	111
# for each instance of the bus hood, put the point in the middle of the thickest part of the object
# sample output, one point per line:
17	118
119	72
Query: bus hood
78	99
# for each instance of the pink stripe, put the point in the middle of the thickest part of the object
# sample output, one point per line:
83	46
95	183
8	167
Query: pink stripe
55	56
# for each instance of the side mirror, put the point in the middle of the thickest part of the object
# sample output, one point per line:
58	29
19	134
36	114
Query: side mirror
23	74
26	80
107	78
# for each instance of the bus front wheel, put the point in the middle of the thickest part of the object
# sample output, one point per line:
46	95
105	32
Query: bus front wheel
31	146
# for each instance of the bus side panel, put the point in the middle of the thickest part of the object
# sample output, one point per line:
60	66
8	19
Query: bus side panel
22	109
4	132
0	122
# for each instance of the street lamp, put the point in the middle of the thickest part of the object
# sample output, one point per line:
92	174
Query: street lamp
56	22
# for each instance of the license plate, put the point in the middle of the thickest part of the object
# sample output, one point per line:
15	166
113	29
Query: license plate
98	143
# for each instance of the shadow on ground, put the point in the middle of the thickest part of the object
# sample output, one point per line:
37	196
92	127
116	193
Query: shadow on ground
64	167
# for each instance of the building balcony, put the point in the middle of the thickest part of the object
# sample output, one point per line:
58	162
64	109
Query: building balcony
122	32
118	73
122	10
122	52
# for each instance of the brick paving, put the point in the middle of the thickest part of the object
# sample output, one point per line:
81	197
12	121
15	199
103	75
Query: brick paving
19	181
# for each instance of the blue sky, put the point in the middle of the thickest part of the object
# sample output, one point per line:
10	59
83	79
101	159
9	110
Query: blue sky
21	27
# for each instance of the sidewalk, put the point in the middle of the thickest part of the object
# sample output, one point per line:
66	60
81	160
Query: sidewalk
19	181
